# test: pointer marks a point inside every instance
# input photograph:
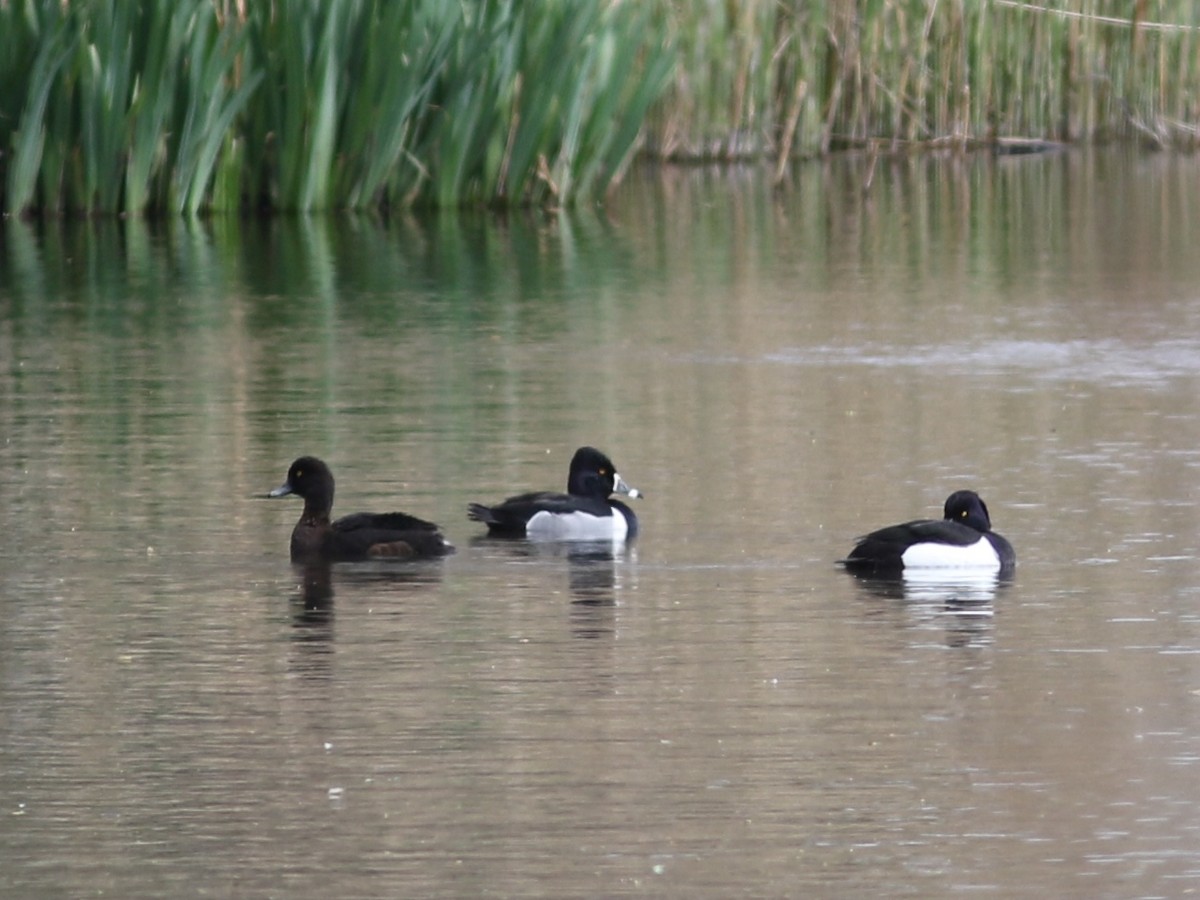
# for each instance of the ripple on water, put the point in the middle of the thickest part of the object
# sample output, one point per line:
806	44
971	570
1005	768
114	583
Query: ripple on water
1113	362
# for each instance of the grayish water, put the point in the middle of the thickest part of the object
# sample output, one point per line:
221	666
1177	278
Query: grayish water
716	711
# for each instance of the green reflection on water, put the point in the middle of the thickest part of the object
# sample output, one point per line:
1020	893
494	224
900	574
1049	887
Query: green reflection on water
261	335
137	347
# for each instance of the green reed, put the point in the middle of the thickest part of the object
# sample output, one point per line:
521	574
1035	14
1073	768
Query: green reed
154	106
540	102
111	106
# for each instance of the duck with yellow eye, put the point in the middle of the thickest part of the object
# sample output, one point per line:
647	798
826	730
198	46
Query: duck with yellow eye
586	512
359	536
963	539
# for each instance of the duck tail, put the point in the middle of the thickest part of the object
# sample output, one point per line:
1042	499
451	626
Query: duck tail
477	512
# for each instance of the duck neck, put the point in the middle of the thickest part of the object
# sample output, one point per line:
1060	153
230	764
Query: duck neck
316	508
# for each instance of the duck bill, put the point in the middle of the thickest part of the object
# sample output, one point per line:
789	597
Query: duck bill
282	491
620	487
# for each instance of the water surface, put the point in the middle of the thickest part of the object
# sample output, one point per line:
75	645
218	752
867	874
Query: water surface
716	710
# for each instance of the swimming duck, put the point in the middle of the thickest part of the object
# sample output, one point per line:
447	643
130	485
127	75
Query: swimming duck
355	537
963	539
584	513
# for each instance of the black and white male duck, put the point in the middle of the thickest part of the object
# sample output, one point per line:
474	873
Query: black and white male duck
355	537
586	512
962	540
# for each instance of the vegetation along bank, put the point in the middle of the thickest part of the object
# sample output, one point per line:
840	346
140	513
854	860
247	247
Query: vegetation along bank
187	106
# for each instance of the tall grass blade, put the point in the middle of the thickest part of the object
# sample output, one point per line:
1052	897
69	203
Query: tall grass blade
213	100
30	135
153	100
106	79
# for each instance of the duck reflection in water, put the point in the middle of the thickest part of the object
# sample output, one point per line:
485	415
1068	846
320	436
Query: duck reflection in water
316	581
960	603
964	591
313	607
594	576
316	587
312	620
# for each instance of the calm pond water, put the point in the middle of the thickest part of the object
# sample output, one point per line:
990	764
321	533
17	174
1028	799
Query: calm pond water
717	710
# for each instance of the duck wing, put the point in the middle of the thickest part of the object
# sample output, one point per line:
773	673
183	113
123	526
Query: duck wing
396	535
885	547
393	521
935	531
511	516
